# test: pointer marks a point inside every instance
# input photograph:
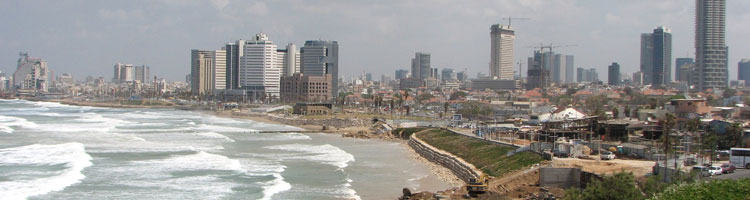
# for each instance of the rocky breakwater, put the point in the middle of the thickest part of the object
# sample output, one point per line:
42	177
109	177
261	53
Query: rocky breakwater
328	123
458	166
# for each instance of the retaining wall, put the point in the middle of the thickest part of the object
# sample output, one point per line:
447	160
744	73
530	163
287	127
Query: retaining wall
458	166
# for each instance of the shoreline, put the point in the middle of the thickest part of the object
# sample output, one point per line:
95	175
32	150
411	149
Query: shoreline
441	173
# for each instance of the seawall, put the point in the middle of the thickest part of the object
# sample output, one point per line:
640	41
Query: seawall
458	166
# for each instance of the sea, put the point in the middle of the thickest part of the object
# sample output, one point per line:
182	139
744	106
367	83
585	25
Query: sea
55	151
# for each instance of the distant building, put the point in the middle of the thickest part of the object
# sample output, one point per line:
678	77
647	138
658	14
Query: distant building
203	70
420	66
710	48
142	73
321	57
638	78
306	88
368	77
569	66
656	56
538	74
385	79
31	74
743	71
66	79
289	59
411	83
682	72
579	74
259	71
493	84
448	75
462	76
501	52
123	73
402	74
614	74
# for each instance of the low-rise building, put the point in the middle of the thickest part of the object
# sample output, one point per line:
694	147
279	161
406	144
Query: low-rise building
312	108
306	88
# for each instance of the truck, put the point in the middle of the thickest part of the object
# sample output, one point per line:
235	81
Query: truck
477	185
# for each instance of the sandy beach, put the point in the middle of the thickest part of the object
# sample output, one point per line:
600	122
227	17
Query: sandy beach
438	171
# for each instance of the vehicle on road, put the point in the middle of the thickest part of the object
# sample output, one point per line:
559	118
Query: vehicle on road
607	155
727	168
703	171
740	157
714	170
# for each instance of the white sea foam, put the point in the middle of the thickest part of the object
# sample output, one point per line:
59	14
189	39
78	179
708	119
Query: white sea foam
214	135
7	123
326	153
198	161
72	155
275	186
275	137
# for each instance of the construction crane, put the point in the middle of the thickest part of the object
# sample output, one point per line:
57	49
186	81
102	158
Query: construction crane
550	46
514	18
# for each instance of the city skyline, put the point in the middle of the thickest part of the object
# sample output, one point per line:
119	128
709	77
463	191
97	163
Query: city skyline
363	30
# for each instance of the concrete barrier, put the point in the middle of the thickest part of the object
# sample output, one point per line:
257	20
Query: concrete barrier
458	166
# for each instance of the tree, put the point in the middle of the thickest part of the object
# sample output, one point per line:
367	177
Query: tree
445	107
458	95
626	111
666	139
424	96
615	112
628	91
733	136
729	93
595	104
619	186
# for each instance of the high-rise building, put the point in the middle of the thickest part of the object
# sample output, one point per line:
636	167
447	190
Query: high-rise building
420	66
234	52
538	74
289	59
321	57
638	78
462	76
434	73
662	65
558	68
614	77
402	74
205	68
647	57
579	75
123	73
743	71
682	72
501	52
368	76
31	74
259	73
656	56
711	51
569	66
142	73
448	75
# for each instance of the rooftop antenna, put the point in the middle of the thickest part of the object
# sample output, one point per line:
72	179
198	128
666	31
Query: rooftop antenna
509	18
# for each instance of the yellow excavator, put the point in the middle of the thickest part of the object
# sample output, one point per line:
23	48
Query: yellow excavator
477	185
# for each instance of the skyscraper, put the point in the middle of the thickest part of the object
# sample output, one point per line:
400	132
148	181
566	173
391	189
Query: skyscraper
538	74
123	73
662	66
501	51
647	57
289	59
682	72
710	47
448	75
402	74
579	75
321	57
614	77
31	73
569	66
420	66
142	73
202	70
743	71
234	52
259	71
656	56
558	68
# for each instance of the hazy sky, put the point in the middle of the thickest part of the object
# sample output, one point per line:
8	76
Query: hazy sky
89	37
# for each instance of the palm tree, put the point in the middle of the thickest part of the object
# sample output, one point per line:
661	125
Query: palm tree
667	125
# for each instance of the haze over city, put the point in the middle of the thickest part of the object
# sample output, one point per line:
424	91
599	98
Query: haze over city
87	38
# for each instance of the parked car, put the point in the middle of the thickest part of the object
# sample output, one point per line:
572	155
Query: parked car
714	170
607	155
726	168
703	171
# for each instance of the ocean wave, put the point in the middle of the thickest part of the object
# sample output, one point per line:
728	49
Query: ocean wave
72	155
275	186
225	129
7	123
326	153
214	135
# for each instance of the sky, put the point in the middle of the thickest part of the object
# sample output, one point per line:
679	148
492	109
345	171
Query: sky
89	37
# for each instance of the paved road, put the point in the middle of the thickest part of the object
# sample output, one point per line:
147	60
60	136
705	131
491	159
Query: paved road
738	174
